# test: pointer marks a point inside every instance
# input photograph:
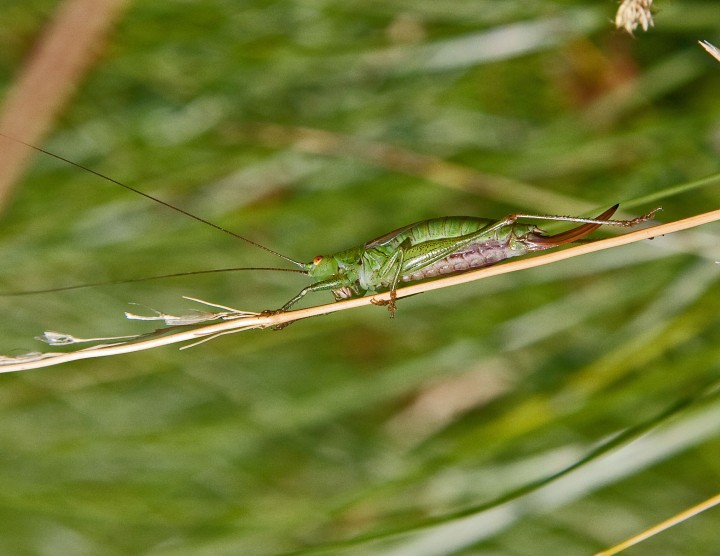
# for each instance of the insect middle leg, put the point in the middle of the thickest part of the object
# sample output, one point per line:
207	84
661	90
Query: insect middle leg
394	266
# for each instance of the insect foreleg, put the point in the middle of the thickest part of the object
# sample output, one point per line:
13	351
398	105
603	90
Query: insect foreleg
330	284
334	283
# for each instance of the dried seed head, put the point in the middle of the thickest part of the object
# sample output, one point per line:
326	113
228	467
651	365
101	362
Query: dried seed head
632	13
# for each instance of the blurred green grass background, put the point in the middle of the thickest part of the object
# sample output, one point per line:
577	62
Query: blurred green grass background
312	126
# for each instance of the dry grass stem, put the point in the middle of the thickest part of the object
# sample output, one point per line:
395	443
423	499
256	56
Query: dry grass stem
711	49
660	527
184	329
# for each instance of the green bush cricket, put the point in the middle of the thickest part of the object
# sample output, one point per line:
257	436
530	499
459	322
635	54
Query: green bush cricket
437	247
425	249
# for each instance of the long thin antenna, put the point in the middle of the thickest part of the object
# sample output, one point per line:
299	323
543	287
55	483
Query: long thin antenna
147	278
160	201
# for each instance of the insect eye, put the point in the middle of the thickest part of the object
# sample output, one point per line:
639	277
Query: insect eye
317	260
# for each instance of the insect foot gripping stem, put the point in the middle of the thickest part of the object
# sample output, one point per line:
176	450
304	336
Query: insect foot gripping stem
270	313
391	304
638	220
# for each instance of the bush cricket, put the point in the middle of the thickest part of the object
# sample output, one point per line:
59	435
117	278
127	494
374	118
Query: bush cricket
425	249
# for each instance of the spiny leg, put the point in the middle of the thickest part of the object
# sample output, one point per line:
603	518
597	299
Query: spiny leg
624	223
